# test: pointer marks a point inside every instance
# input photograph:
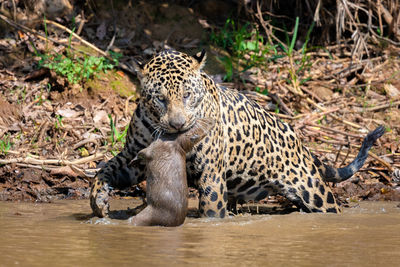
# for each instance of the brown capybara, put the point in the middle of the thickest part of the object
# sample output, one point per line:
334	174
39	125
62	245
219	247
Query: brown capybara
166	182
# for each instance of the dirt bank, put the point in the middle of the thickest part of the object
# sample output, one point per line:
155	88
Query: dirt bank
55	134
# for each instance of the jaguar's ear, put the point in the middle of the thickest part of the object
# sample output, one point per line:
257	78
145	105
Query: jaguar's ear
200	58
138	66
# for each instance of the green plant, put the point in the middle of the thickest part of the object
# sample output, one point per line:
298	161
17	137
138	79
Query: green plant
115	57
245	45
228	65
23	93
378	31
76	67
5	144
321	120
263	92
83	151
40	98
116	136
58	122
296	67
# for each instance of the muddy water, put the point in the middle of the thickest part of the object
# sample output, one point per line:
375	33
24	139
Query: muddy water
62	234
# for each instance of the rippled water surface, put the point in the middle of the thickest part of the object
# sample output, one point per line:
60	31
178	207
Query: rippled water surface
60	234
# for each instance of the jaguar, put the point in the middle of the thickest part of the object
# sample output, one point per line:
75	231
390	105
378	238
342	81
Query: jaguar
248	155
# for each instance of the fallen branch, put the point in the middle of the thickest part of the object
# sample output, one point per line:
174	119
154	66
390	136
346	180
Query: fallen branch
382	161
85	141
58	162
334	116
334	130
42	167
80	39
394	104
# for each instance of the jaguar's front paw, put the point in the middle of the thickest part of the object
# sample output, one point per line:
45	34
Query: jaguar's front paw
99	196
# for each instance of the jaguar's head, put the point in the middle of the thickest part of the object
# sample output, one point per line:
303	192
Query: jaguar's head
172	90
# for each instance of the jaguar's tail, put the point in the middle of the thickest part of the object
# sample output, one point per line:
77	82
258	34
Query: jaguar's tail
330	174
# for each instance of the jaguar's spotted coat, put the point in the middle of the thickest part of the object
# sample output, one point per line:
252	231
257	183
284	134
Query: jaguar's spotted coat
248	155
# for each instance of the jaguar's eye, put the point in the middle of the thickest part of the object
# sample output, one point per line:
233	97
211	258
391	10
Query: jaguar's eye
160	98
186	95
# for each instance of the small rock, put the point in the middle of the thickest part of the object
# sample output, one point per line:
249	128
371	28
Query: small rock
67	113
391	90
91	136
100	117
323	92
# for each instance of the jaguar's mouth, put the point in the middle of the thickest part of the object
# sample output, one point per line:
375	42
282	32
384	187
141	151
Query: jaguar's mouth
188	127
182	130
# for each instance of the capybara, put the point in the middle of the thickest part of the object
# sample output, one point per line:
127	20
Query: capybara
166	181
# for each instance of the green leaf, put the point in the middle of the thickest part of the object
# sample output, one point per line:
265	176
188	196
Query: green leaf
296	27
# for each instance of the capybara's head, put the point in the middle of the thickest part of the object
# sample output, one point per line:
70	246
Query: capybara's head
183	143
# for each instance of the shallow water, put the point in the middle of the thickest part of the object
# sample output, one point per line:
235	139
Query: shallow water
60	234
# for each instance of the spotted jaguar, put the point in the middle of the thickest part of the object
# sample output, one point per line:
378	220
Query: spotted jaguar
248	155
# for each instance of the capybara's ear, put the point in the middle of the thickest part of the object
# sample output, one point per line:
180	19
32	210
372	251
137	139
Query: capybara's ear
202	127
135	162
141	157
145	153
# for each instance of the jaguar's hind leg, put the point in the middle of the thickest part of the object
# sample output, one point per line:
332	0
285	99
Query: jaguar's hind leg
310	194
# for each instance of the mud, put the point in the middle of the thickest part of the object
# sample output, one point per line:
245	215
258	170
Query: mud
25	184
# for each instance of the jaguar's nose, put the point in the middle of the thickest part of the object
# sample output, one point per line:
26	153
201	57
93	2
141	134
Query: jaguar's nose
177	123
